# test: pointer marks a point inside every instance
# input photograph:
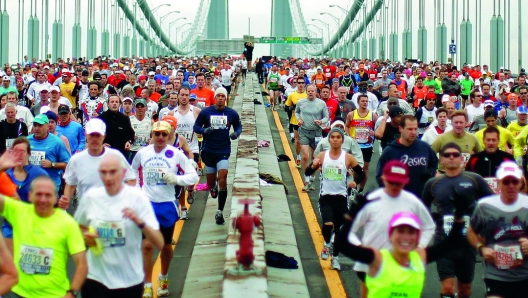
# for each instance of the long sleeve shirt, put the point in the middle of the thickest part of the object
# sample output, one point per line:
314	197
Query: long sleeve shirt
221	121
310	110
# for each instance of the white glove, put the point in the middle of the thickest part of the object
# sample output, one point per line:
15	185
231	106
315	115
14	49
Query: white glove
193	163
170	178
519	160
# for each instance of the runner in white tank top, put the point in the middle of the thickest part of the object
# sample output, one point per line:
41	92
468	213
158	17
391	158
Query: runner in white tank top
334	175
185	128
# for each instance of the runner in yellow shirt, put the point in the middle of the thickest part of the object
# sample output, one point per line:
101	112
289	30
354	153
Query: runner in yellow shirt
506	138
43	237
291	102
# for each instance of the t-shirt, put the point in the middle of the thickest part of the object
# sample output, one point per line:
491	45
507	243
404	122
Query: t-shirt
390	134
384	86
468	143
505	137
120	265
204	97
502	226
83	170
65	87
156	165
50	148
292	101
142	132
226	76
41	249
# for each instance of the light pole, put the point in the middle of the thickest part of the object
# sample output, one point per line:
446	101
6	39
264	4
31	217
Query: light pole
340	7
178	29
327	28
183	32
164	17
320	30
336	19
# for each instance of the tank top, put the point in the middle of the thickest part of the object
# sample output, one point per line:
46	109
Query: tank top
427	117
393	280
511	115
360	127
274	79
334	175
420	94
185	128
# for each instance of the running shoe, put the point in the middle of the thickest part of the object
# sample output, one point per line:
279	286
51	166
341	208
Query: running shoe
219	217
147	292
325	253
293	140
184	214
190	197
200	172
163	286
214	192
306	187
335	263
312	187
298	163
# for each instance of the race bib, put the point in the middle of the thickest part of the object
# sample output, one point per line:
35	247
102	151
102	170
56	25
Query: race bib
9	143
187	134
317	140
466	157
325	126
448	224
318	82
35	260
111	234
37	157
507	257
430	119
333	172
362	135
384	93
493	184
140	141
200	104
226	81
154	176
328	74
219	122
273	80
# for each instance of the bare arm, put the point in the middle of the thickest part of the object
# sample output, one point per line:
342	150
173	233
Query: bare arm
8	271
81	270
381	128
184	145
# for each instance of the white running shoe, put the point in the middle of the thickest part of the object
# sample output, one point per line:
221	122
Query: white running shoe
184	214
335	263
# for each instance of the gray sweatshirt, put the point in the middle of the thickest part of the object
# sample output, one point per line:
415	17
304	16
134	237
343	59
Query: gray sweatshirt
310	110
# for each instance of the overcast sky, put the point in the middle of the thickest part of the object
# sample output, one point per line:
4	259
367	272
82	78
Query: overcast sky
259	11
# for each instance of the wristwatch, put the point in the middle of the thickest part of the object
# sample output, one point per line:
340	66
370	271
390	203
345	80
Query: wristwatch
74	293
52	164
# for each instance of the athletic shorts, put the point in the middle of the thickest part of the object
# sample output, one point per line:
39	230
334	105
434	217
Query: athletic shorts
367	153
505	289
465	97
294	127
228	88
459	263
281	89
308	137
361	275
333	208
273	88
167	214
92	288
214	162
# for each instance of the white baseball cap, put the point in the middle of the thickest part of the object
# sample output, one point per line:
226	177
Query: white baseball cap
509	168
7	78
158	67
95	125
151	73
489	102
54	88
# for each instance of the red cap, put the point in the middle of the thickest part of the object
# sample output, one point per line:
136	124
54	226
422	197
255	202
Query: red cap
171	120
142	78
397	172
430	96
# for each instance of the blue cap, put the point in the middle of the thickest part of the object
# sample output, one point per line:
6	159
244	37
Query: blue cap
522	110
193	97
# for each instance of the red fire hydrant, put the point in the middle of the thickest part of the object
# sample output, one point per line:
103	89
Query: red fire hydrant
245	223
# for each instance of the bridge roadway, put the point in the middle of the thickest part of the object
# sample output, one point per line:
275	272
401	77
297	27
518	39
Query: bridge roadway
198	266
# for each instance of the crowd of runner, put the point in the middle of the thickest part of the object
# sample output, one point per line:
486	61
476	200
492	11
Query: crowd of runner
84	135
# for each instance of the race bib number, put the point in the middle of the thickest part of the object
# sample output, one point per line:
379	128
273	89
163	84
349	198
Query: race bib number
226	81
200	104
325	126
318	82
9	143
493	184
328	74
35	260
430	119
507	257
466	157
37	157
154	176
187	134
273	80
362	135
317	140
219	122
111	234
333	172
384	93
448	224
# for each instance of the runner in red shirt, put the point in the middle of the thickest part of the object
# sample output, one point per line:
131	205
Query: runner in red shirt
333	107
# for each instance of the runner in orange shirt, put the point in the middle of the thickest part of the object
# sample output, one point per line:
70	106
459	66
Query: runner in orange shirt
205	96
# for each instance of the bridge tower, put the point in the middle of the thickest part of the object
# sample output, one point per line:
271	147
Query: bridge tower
218	20
281	26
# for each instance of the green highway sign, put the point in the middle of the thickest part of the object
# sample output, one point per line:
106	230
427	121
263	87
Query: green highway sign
289	40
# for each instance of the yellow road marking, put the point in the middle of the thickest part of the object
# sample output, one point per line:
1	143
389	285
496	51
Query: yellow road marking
333	280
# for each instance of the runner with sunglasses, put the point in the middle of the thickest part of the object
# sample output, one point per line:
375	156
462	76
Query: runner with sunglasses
163	166
455	184
498	232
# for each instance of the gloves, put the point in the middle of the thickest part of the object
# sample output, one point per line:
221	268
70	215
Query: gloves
170	178
193	163
519	160
233	136
208	131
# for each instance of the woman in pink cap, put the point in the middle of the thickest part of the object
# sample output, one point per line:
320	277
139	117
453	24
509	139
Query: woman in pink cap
400	271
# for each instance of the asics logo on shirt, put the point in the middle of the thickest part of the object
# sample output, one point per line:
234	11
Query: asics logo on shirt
413	161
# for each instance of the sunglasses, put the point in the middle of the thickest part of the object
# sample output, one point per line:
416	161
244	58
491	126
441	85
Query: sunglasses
451	154
478	95
302	83
163	134
523	93
511	181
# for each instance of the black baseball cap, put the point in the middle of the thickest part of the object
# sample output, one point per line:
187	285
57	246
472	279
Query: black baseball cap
96	76
63	109
84	73
395	111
